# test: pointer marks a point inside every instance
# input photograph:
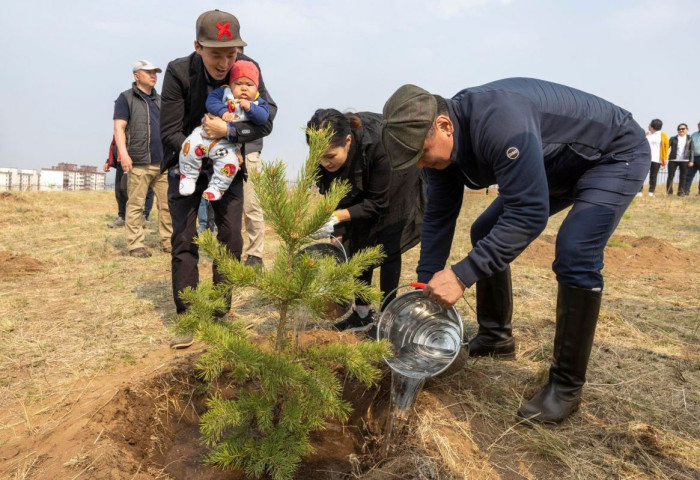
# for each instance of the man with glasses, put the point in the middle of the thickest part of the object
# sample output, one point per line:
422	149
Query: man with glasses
693	165
681	154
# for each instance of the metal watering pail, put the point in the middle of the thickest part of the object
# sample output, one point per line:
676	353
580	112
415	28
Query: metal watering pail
426	337
334	250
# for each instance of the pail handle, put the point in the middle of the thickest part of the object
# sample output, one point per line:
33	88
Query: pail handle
342	249
412	284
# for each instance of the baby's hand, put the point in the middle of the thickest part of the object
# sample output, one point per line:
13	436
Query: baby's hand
245	104
227	117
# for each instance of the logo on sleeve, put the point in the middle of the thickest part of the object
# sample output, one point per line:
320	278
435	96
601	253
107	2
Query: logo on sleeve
512	153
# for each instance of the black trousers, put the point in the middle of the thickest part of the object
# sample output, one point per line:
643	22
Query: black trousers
672	167
228	213
653	174
390	268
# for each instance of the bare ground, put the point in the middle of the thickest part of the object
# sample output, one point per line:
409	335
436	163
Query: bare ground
88	388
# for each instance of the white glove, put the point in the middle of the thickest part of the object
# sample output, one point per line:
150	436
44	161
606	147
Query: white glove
326	230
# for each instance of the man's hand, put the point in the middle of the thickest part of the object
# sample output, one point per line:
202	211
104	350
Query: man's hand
127	164
213	127
245	104
326	230
105	167
444	288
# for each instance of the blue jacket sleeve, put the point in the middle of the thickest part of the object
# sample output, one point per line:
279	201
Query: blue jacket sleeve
445	193
506	136
259	113
215	104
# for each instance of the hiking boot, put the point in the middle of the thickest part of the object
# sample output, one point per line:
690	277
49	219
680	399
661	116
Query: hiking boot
182	342
119	222
355	323
139	253
253	261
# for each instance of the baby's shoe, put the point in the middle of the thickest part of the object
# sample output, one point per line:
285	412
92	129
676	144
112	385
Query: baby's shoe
186	186
212	194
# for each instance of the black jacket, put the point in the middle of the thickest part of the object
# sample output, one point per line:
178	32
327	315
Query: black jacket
688	151
380	200
184	97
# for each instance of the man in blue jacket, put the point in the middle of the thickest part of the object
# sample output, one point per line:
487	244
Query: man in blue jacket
548	147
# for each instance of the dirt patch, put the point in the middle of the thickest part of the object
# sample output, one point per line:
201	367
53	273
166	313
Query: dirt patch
17	264
9	196
624	255
149	428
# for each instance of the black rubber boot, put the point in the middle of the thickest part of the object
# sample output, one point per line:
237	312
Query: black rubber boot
577	315
494	312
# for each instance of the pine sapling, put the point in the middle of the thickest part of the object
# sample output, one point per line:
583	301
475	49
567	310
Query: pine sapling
284	393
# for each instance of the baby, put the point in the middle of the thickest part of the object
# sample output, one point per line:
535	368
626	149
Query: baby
237	103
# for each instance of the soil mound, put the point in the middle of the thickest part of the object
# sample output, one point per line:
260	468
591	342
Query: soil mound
623	253
14	264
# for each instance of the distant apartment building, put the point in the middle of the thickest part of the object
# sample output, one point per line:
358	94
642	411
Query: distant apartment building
64	176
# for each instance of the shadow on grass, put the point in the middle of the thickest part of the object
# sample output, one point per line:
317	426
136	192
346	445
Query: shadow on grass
159	293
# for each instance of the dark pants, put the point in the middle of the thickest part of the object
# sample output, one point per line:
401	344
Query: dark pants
120	190
121	193
185	255
390	268
672	167
690	175
600	194
653	174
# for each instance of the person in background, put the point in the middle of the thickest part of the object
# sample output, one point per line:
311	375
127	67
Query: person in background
253	218
694	164
681	153
205	217
137	136
120	188
658	143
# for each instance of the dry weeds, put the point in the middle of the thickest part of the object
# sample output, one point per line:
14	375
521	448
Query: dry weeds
79	320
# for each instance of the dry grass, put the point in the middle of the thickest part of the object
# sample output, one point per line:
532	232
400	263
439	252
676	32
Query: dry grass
74	309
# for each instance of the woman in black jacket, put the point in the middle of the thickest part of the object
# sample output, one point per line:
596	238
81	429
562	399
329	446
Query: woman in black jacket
679	156
384	207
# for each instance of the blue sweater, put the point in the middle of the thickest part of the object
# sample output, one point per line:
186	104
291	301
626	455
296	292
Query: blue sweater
217	105
506	132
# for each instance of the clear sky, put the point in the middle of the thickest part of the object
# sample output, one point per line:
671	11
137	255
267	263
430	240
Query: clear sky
65	62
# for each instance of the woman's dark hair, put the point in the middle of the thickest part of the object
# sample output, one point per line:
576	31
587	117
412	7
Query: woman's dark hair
340	124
